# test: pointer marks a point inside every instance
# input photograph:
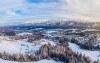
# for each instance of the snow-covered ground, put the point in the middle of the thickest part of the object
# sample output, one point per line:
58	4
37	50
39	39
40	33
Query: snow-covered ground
17	47
89	30
41	61
94	55
23	33
53	31
22	46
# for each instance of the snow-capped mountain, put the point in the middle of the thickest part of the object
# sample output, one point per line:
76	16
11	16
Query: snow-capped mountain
53	23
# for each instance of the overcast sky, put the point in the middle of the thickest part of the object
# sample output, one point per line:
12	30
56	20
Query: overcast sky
31	10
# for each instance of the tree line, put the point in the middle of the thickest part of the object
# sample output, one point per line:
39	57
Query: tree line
60	52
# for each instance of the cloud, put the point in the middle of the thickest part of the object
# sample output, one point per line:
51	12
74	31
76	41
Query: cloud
21	10
83	8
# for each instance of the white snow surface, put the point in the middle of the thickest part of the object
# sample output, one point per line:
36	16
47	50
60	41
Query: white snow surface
22	46
94	55
50	32
24	33
41	61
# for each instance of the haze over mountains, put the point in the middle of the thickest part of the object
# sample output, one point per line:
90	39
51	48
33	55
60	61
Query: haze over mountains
52	21
52	24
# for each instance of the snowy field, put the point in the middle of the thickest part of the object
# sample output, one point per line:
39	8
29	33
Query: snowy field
22	46
41	61
48	32
23	33
94	55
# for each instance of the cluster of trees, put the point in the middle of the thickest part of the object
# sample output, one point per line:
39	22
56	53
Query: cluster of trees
60	52
37	36
27	57
31	37
90	44
20	37
63	53
18	57
10	33
7	32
